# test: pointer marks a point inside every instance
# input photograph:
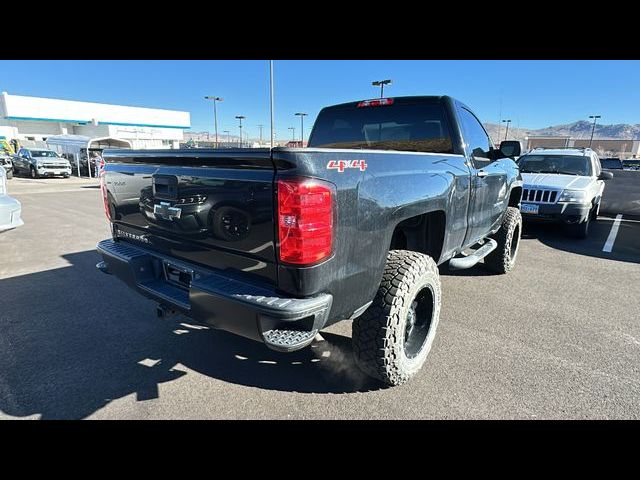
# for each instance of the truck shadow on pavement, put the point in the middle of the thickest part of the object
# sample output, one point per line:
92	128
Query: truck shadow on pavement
72	340
478	270
626	247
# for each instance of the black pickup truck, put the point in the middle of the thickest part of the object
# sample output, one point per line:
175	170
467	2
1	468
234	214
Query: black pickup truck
277	244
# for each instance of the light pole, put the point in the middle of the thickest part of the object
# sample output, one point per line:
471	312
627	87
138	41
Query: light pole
301	115
240	117
260	127
273	132
381	84
293	129
215	114
507	131
228	133
595	118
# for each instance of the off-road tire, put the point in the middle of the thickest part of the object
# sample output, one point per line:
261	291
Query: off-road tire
378	335
503	258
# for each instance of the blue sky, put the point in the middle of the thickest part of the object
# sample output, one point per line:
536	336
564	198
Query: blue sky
533	94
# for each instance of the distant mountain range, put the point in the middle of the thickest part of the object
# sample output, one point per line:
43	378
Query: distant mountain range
577	130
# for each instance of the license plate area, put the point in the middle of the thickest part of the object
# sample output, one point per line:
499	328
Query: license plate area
529	208
177	275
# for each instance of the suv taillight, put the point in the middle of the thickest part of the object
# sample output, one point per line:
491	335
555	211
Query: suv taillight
305	220
103	189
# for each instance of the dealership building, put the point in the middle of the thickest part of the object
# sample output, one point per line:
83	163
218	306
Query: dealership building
28	119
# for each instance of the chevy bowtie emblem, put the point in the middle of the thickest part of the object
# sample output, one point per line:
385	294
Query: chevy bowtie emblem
166	211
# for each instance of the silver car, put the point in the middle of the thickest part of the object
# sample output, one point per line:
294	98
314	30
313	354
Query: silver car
10	208
562	185
41	162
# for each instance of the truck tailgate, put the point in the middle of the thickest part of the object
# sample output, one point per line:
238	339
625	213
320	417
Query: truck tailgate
209	207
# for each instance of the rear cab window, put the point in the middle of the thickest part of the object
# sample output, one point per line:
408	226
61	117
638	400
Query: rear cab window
418	125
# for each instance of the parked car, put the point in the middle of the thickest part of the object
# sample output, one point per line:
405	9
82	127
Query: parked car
631	164
562	185
277	244
10	208
40	162
612	163
6	163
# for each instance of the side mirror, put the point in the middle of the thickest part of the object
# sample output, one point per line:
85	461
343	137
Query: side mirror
605	176
510	148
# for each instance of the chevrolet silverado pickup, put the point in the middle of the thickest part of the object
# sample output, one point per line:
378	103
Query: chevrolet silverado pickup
41	162
277	244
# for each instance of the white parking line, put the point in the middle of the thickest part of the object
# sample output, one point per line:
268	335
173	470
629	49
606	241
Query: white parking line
608	246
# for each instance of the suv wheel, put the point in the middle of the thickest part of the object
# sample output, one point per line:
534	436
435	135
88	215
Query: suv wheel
503	258
580	230
10	173
34	173
392	338
595	212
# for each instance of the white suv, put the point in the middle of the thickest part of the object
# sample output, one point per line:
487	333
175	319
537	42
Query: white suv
562	185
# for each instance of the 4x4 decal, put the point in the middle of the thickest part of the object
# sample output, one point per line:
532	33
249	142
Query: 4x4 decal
340	165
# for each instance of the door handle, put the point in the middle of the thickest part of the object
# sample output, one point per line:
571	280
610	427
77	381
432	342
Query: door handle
481	173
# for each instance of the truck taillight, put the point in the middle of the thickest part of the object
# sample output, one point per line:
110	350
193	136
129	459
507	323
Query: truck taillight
103	189
305	220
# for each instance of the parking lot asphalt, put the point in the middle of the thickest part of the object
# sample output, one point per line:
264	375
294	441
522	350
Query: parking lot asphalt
559	337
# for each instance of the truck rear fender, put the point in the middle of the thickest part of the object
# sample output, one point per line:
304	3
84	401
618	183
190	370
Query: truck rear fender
398	199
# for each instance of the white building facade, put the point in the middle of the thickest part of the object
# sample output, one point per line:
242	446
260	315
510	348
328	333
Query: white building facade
607	147
35	118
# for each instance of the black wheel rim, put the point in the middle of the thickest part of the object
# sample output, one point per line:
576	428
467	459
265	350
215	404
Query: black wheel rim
418	324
